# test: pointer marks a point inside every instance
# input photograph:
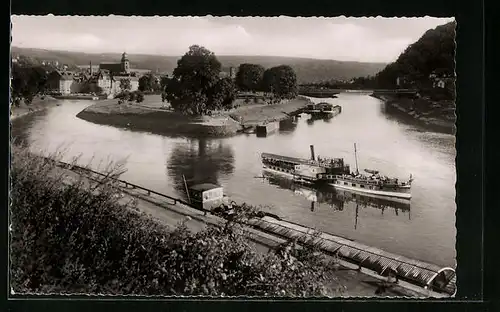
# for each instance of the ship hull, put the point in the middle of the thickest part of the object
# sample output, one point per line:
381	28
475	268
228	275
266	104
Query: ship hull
372	192
288	174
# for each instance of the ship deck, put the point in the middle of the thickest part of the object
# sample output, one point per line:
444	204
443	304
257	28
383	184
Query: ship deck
299	161
288	159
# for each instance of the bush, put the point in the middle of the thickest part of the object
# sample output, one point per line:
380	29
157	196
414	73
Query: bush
80	237
139	98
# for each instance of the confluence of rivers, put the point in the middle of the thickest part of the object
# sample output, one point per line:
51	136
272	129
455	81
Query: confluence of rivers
423	229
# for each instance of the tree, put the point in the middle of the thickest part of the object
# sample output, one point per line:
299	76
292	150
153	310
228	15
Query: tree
27	82
125	84
139	97
164	80
224	94
191	89
281	81
132	96
149	83
249	77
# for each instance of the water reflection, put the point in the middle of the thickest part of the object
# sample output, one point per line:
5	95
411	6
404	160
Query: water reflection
199	161
337	199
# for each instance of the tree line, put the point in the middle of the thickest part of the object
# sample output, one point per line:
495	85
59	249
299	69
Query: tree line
27	81
197	88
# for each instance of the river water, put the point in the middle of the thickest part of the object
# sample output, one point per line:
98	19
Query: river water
421	229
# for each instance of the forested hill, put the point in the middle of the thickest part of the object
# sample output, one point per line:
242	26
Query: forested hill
434	52
307	70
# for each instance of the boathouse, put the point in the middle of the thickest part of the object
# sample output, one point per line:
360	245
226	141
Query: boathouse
206	195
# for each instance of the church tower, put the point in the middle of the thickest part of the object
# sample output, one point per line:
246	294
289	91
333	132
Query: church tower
125	63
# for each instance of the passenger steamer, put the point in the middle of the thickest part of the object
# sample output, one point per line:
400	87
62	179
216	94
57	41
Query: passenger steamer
333	171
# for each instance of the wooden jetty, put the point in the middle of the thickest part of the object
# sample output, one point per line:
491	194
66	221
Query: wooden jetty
426	275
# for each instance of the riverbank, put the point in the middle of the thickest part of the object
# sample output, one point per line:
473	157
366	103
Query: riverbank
154	116
36	105
438	115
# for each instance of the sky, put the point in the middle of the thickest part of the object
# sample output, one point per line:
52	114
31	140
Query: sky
338	38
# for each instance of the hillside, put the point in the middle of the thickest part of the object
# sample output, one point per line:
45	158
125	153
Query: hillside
433	52
308	70
431	59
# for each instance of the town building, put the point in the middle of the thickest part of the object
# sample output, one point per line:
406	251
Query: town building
440	79
107	76
228	73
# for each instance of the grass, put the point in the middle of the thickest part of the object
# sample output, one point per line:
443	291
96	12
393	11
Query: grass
150	116
70	235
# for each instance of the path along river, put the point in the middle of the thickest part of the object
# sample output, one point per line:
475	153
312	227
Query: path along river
423	229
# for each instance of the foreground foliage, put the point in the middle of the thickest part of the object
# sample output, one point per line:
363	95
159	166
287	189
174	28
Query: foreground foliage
82	238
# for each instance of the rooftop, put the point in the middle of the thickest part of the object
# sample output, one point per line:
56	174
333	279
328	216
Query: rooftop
204	187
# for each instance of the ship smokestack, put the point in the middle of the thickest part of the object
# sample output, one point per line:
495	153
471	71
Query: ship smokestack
90	67
312	152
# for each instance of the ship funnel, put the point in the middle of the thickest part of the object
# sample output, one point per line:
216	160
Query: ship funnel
312	152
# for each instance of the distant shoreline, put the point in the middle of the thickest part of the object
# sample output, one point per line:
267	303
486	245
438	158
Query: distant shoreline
152	116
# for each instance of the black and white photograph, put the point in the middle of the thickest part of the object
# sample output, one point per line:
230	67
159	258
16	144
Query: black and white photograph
219	157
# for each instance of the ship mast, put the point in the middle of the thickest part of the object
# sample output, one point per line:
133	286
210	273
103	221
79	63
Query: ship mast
356	158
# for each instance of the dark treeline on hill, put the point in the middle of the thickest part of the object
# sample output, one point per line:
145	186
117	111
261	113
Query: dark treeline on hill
433	53
432	56
307	70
